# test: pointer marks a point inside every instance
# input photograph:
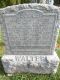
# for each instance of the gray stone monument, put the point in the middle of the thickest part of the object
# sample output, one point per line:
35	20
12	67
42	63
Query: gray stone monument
30	33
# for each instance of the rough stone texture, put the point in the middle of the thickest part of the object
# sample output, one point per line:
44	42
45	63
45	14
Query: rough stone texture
30	29
44	64
26	29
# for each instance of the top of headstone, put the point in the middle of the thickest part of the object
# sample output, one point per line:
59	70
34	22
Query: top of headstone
15	8
26	29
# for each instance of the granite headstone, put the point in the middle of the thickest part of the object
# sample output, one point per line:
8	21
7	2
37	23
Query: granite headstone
30	33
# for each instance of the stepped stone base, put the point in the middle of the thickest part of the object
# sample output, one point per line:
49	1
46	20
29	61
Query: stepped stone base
44	64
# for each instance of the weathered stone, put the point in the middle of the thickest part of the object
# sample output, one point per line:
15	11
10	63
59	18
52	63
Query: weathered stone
30	33
35	64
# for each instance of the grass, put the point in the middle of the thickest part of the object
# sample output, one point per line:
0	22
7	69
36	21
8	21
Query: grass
58	52
58	41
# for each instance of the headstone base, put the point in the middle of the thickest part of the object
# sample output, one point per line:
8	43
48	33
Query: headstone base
44	64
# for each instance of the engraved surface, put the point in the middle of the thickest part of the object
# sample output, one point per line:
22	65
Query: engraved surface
44	64
29	33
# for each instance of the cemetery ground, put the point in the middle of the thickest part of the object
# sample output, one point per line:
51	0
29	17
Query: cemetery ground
29	76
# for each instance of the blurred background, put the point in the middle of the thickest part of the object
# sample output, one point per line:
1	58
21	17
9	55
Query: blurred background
4	3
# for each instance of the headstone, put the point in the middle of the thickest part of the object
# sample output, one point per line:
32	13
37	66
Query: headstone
30	32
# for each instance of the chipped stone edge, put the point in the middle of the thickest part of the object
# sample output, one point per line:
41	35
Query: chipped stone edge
15	8
43	64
